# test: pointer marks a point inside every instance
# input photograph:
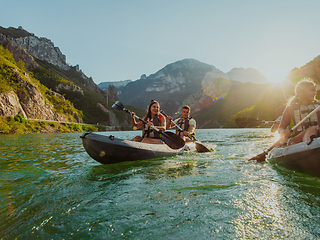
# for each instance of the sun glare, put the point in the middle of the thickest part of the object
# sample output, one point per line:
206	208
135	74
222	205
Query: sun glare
276	137
214	87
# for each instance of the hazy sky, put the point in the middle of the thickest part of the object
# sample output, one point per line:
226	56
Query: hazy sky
117	40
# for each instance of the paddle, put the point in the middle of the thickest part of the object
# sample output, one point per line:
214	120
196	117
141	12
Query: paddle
250	122
199	146
171	139
262	156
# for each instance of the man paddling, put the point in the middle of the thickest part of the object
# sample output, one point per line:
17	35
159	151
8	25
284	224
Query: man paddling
186	123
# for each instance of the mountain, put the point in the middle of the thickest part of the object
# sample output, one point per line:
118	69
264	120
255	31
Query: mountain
48	65
222	98
105	85
170	85
195	83
43	50
309	70
274	100
21	93
247	75
216	98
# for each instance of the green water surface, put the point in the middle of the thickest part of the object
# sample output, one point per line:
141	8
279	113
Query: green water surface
51	189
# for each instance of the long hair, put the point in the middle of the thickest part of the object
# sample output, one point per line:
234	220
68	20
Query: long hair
299	90
149	109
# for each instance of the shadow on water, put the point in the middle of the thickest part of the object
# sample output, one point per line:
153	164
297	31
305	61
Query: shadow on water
119	171
175	167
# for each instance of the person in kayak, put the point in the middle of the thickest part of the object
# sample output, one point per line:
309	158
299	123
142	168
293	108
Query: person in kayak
186	123
297	108
154	118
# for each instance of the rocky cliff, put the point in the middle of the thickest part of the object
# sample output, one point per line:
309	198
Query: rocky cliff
49	66
21	94
42	49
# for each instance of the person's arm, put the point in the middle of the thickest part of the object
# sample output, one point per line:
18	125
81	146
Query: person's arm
192	128
169	123
285	122
134	123
163	124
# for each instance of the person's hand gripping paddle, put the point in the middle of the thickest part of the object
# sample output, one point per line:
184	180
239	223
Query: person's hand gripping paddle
169	138
199	146
262	156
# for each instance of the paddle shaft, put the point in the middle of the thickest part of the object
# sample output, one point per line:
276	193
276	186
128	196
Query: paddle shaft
173	141
304	119
173	122
177	125
199	146
144	121
261	157
268	121
294	128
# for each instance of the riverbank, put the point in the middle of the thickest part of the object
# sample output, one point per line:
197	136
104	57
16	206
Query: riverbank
19	125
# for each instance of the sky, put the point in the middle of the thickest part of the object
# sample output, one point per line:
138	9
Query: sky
114	40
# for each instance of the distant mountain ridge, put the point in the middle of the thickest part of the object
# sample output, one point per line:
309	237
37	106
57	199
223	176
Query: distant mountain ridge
215	97
176	82
238	74
247	75
105	85
170	85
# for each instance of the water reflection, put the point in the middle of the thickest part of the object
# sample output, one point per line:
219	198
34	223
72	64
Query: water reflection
300	181
51	189
265	203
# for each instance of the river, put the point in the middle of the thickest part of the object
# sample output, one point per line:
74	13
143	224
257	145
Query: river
50	188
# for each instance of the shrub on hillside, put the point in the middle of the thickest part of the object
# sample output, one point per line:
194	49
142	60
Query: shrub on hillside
19	118
4	128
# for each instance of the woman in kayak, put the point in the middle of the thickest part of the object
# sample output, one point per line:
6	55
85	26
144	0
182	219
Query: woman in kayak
297	108
154	118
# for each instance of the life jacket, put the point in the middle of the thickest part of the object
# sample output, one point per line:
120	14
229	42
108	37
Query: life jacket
301	111
184	125
149	132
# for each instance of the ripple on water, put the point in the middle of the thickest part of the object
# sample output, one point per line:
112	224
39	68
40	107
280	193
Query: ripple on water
50	188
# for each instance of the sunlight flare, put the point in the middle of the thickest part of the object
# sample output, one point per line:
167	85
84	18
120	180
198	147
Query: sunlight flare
215	87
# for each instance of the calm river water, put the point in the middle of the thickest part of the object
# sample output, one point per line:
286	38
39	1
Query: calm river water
51	189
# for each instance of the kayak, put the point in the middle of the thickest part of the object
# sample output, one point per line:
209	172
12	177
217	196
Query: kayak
303	157
109	149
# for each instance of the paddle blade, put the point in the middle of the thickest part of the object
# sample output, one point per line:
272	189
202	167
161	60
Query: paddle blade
201	148
172	140
118	105
259	158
